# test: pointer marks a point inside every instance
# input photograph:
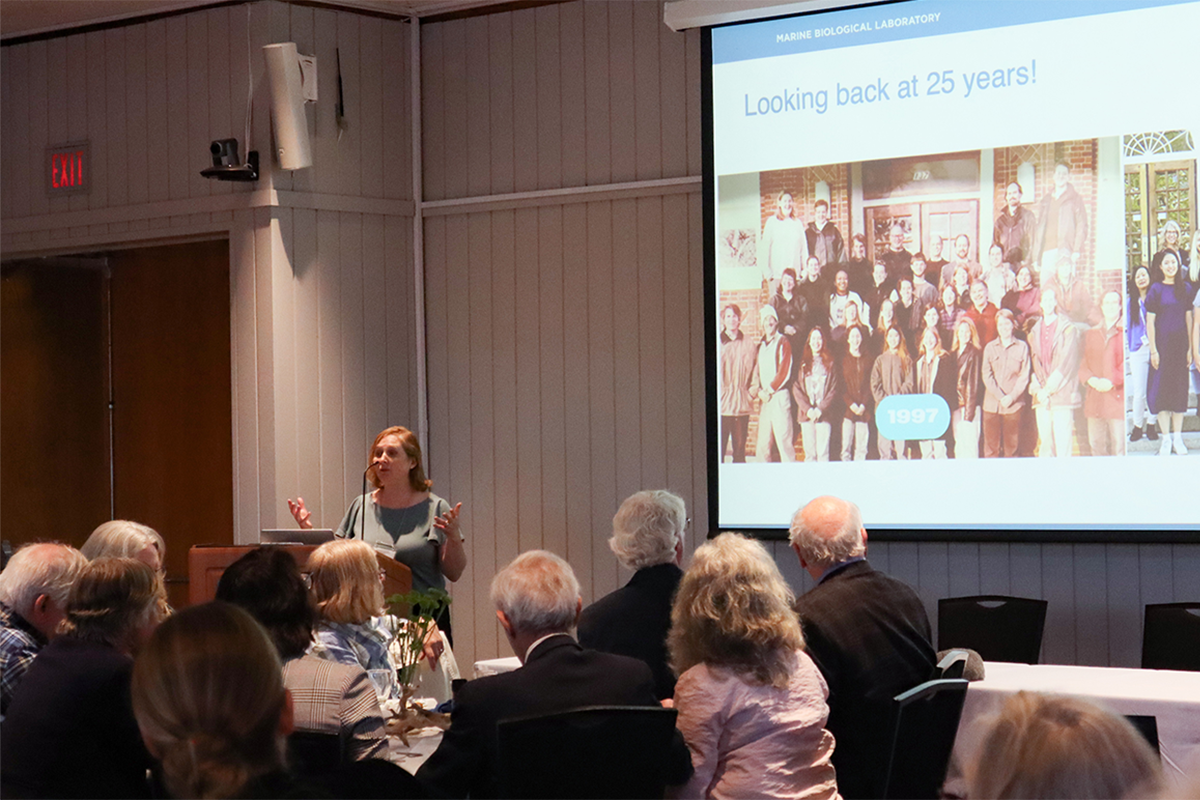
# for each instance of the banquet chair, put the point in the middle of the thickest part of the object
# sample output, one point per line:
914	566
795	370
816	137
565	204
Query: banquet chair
1171	636
958	662
593	752
1147	726
998	627
925	726
311	752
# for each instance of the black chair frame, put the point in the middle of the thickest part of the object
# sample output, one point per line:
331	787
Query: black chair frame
998	627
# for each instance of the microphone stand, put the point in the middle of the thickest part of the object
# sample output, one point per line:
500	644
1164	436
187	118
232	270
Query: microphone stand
362	504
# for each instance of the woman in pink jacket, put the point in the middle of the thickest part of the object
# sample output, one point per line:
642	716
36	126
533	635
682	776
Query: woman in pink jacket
752	704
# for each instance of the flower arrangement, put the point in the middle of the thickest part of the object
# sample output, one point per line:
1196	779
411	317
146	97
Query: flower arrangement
417	611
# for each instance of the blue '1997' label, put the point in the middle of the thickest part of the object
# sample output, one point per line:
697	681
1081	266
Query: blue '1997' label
912	416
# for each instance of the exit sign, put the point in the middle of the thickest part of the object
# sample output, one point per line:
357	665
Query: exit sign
68	169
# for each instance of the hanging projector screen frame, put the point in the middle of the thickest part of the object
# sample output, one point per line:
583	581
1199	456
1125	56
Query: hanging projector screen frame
1184	530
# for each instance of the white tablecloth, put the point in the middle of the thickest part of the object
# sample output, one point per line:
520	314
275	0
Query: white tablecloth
494	666
1173	698
420	747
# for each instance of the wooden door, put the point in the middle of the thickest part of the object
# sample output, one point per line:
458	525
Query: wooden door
880	220
172	397
952	218
921	221
54	422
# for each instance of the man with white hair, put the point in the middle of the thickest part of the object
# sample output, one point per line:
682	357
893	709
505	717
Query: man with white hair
635	619
538	604
867	632
33	600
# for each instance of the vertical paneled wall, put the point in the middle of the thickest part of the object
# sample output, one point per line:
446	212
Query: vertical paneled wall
343	351
566	340
566	364
562	378
322	337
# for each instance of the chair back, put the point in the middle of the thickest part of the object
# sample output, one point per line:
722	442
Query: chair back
1171	636
1147	726
593	752
998	627
952	663
926	724
310	752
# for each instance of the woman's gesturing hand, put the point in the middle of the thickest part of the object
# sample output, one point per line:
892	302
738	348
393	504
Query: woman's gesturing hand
303	515
453	556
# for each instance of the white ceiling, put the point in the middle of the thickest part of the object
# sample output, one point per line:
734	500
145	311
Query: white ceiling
28	17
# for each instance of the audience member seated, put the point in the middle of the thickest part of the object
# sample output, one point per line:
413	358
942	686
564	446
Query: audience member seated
538	604
352	627
867	632
33	599
70	730
1061	748
122	538
751	703
209	699
327	697
634	620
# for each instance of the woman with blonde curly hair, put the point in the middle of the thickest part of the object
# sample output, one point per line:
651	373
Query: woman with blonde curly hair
1060	748
752	705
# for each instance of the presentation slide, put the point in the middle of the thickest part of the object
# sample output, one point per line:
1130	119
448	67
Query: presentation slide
956	265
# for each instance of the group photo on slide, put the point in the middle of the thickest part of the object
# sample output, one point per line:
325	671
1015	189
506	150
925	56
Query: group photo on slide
972	276
1162	233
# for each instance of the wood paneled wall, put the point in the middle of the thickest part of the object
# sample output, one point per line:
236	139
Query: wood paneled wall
566	364
574	94
321	270
562	378
566	340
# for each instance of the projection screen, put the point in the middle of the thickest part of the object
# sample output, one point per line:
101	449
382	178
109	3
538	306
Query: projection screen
912	165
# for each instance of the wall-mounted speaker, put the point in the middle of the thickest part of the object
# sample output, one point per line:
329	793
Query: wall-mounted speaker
292	145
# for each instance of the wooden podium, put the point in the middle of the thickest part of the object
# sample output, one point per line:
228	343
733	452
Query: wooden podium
207	562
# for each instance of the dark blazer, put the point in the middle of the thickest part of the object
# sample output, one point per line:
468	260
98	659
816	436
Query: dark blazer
70	730
870	637
945	383
559	675
634	620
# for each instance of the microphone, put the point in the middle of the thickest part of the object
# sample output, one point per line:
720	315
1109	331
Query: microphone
362	503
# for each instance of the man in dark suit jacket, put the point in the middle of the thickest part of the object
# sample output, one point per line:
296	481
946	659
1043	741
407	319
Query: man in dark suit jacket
537	602
868	633
635	619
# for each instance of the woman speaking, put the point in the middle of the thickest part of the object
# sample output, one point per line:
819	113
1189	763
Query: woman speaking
401	517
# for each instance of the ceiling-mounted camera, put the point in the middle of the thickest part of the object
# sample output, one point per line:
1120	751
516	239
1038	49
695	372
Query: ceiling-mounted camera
226	164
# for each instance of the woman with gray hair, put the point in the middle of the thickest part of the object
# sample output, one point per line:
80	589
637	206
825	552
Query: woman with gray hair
634	620
751	703
124	538
70	730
